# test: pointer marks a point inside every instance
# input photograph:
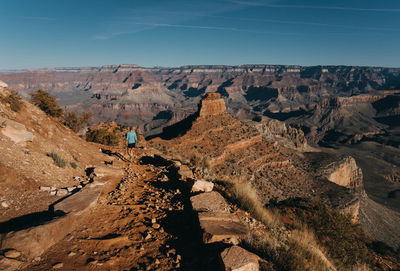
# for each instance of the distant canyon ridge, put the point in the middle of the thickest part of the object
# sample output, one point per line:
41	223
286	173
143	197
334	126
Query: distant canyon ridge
331	104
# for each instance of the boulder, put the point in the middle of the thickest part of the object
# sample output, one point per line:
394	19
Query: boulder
202	186
236	258
185	172
221	227
13	254
62	192
209	202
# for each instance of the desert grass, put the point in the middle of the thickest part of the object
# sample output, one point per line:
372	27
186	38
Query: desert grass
58	160
300	251
246	196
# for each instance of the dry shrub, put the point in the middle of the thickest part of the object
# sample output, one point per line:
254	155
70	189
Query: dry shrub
46	102
14	100
246	197
76	121
103	136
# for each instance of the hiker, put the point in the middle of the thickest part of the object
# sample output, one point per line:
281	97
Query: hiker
131	139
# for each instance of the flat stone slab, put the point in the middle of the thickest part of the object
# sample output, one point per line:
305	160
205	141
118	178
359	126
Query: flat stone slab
103	171
78	201
221	227
34	241
236	258
16	132
209	202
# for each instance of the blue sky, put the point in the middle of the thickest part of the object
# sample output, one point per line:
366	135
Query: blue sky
61	33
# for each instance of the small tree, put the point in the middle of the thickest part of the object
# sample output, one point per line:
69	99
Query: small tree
46	102
76	121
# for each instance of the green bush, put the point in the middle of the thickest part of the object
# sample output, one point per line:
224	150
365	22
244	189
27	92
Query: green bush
76	121
73	164
46	102
58	160
102	136
14	100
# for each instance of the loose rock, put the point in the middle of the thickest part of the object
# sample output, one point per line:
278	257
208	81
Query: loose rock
58	265
12	254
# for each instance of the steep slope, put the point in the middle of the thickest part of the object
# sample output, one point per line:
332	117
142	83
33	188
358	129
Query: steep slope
28	139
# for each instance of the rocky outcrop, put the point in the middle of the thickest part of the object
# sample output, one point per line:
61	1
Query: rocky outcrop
345	173
3	85
212	104
276	130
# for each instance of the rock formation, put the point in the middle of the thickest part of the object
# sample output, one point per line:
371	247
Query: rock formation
212	104
236	150
3	85
277	130
341	170
345	173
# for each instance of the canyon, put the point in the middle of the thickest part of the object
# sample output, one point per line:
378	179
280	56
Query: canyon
328	134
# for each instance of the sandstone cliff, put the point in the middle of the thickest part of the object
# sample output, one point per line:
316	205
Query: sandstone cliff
345	172
212	104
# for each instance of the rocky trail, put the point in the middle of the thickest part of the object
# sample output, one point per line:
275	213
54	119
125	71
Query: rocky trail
142	221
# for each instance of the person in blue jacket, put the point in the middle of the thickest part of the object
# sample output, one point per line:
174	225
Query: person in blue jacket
131	139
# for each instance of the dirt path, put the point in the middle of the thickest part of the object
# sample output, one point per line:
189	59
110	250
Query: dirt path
141	222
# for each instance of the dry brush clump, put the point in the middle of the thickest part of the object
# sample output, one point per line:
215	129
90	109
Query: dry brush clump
14	100
246	197
107	133
76	121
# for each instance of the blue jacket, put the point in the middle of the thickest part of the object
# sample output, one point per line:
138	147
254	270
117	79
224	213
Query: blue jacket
131	137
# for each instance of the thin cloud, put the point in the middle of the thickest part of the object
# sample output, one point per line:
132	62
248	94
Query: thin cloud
262	4
36	18
215	28
308	23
